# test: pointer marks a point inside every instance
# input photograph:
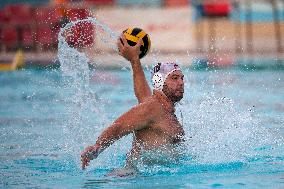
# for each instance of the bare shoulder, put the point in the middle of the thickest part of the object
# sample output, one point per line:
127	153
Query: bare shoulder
151	104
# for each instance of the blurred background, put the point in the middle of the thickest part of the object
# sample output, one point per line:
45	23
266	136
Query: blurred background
203	32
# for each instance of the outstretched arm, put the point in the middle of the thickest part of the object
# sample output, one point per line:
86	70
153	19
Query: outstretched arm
141	87
137	118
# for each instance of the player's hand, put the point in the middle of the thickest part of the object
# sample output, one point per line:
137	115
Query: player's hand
130	53
89	154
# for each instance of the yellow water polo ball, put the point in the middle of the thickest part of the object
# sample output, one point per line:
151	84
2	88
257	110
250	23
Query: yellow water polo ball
132	36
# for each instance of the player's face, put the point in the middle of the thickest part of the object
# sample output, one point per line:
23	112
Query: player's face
174	86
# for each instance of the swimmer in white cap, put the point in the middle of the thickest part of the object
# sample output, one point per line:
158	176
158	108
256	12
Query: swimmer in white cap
153	121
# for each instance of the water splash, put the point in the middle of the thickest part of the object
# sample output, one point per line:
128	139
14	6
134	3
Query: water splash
81	101
219	132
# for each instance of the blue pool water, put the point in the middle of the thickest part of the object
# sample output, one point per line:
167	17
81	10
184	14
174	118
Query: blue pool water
233	119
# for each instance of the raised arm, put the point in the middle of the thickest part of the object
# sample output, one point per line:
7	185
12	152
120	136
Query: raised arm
131	53
137	118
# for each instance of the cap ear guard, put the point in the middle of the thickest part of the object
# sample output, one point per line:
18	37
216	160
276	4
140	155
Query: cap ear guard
158	81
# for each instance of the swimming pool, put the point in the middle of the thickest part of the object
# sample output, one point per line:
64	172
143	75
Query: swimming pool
233	119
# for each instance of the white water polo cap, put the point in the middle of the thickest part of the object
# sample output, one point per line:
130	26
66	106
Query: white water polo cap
160	73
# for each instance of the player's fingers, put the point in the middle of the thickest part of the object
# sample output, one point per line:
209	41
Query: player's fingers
123	38
120	45
139	43
119	40
83	165
84	162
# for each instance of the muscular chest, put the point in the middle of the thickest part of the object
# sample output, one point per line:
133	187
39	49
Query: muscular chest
170	126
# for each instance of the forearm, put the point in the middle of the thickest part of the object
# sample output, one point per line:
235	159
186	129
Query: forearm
137	118
109	136
141	87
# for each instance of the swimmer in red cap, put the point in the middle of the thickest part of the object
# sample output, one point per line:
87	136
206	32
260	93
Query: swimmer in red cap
153	122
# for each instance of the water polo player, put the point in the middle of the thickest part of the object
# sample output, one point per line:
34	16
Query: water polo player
153	121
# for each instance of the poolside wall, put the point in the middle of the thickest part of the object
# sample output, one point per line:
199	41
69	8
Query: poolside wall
172	30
